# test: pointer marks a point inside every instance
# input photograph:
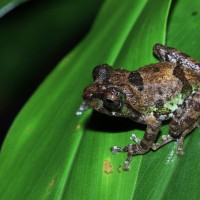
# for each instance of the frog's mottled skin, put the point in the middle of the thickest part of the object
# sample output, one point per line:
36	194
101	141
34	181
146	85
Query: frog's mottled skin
166	90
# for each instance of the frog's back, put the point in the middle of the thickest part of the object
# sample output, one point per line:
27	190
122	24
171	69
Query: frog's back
165	85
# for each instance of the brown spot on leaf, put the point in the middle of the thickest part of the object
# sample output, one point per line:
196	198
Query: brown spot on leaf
194	13
52	184
107	167
119	169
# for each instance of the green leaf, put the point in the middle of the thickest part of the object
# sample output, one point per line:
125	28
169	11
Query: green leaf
50	153
167	176
34	37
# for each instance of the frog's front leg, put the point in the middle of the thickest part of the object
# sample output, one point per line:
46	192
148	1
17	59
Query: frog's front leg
186	118
143	146
169	54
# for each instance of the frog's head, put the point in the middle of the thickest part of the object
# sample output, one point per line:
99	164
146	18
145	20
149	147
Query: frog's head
106	94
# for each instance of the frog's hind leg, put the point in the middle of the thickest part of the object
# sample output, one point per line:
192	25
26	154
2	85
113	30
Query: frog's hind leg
169	54
182	137
186	118
165	140
168	138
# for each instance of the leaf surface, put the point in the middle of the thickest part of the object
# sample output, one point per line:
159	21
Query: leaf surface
50	153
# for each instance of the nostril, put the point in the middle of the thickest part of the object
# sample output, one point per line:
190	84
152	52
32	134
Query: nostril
90	95
87	95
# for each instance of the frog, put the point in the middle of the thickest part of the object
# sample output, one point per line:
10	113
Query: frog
166	91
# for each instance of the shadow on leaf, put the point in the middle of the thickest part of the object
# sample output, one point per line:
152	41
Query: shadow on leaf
105	123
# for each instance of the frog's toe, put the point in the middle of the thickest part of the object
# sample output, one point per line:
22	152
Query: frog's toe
135	138
154	146
127	166
128	161
180	146
115	149
180	152
165	140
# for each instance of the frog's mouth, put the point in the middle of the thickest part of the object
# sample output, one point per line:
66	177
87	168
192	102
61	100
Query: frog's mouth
99	106
95	104
92	99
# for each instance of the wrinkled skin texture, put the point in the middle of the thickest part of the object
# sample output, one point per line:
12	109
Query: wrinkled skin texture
167	90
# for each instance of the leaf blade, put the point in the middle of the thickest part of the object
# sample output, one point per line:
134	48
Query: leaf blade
48	138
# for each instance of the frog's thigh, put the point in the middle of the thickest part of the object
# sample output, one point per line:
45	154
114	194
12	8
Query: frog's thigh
186	118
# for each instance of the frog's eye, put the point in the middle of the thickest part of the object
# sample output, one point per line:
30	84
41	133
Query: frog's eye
111	104
101	71
113	99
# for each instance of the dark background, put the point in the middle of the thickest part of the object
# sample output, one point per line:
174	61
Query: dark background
34	37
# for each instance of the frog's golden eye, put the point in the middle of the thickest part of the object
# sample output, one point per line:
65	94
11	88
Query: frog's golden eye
113	99
101	71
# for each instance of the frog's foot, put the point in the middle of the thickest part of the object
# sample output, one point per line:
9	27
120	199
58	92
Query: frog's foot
180	146
128	149
132	149
180	141
168	138
165	140
116	149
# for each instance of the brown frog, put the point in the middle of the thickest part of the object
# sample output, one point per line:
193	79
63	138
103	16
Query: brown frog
167	90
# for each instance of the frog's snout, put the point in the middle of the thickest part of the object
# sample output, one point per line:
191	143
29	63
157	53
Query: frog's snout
88	93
